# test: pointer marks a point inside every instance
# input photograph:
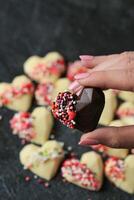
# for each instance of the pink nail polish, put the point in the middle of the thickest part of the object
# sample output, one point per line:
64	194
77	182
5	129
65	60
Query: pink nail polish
79	92
74	85
82	75
86	57
89	142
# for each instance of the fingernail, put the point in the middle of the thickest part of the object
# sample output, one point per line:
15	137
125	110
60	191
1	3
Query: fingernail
74	85
81	75
79	92
89	142
86	57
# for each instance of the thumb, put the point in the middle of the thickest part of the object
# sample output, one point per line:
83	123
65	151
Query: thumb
117	137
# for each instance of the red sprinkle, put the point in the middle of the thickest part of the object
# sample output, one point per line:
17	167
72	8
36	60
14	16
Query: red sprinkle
80	173
7	96
52	68
22	125
75	68
43	93
114	168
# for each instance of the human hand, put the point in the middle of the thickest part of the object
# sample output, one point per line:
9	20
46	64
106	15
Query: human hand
115	72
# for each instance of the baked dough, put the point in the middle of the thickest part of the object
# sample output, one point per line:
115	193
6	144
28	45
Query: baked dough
43	161
61	85
35	127
47	92
45	69
109	108
86	173
17	95
120	172
75	68
44	93
116	122
126	109
126	96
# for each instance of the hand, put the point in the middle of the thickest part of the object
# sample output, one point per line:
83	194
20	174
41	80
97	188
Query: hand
115	72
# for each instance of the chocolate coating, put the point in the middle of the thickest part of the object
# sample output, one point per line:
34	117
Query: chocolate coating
89	108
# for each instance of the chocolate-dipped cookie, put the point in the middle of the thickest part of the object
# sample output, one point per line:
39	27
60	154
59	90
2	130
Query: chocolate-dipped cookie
81	112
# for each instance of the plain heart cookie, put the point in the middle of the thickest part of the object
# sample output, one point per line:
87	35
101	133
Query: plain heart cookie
35	127
17	95
43	161
109	108
120	172
45	69
86	173
45	93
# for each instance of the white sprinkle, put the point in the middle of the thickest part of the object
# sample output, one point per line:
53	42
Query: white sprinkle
52	136
69	148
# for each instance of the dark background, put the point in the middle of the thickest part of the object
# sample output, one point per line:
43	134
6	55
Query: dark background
72	27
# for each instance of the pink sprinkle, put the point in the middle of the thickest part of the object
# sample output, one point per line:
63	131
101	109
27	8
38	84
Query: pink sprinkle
27	178
46	185
86	57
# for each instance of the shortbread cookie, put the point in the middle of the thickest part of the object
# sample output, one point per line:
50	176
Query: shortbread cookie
61	85
46	92
86	173
126	109
116	122
79	112
75	68
109	108
120	172
108	151
126	96
43	161
17	95
45	69
35	127
128	121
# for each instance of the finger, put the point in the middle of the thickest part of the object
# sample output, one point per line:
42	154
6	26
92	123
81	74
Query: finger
114	79
132	151
117	137
91	62
124	60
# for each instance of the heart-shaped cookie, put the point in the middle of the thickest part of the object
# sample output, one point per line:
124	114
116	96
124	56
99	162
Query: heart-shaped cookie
86	173
43	161
46	92
105	150
125	109
45	69
75	68
17	95
120	172
35	127
109	108
126	96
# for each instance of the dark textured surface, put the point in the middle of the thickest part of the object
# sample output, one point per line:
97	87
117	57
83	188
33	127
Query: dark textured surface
72	27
